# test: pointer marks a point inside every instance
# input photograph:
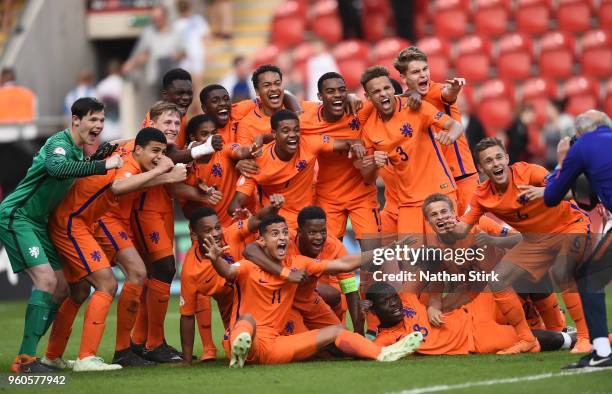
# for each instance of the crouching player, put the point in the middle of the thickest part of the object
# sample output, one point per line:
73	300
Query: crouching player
262	302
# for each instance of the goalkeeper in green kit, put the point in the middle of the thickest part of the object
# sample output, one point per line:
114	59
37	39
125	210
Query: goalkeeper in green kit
24	213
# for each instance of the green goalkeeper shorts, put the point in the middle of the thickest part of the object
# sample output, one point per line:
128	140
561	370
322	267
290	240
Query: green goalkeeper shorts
27	244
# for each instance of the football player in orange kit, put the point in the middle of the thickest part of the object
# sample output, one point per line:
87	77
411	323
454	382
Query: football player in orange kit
414	69
88	262
262	302
514	194
287	166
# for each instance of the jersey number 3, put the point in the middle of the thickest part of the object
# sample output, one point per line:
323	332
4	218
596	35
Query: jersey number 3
403	155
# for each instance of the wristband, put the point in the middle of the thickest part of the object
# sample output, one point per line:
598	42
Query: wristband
285	273
202	150
348	285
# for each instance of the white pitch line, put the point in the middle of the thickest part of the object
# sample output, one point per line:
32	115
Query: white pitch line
529	378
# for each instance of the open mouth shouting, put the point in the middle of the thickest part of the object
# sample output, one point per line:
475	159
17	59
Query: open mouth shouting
275	98
223	114
498	173
292	143
281	248
338	106
385	103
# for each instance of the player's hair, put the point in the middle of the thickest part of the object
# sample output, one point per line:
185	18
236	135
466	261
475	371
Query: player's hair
148	135
325	77
406	56
435	198
85	106
379	289
199	213
373	72
283	114
264	69
176	74
487	143
204	93
309	213
268	220
195	122
161	107
397	86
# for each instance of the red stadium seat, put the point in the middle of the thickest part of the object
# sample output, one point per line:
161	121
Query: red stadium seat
491	17
573	15
496	104
608	101
450	18
557	55
325	22
472	60
537	91
532	16
288	25
434	46
596	57
385	52
352	57
438	55
605	13
582	93
266	55
374	26
303	52
514	61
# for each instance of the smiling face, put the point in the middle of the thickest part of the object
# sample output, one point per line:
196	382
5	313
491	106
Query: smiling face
333	96
209	225
180	92
493	162
275	241
417	76
204	130
388	308
218	105
287	137
168	123
381	93
89	127
148	156
270	91
313	235
437	214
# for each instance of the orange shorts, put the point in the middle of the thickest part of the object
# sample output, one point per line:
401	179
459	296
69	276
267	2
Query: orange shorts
154	234
279	349
295	323
538	255
113	235
316	313
78	250
465	190
364	215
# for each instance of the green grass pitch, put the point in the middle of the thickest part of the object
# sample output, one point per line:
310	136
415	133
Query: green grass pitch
530	373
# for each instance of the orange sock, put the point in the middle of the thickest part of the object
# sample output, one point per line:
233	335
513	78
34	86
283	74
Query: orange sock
571	298
204	318
127	308
508	303
94	323
62	328
240	327
355	345
139	333
551	313
157	305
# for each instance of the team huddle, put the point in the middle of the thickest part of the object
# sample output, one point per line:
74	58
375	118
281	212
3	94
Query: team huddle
268	186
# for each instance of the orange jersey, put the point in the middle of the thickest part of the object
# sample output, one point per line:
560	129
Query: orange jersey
237	112
256	122
268	298
337	180
293	179
180	138
391	199
219	173
453	337
123	209
416	156
458	155
531	217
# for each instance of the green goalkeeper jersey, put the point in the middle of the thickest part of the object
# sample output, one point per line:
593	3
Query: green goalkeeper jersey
48	180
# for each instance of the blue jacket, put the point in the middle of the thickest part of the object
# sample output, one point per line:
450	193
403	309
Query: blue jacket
591	154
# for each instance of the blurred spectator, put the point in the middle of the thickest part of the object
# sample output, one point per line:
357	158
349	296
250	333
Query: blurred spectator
221	17
559	125
518	133
195	30
403	10
7	77
474	130
160	46
238	83
109	90
17	103
84	88
351	18
293	79
320	63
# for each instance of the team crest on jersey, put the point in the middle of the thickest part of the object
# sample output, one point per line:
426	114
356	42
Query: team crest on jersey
217	170
96	256
325	139
154	237
301	164
234	146
438	115
240	224
289	327
59	151
354	124
408	312
34	251
123	235
406	130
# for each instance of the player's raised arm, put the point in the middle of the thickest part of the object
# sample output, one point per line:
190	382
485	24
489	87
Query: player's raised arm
59	166
353	147
276	203
254	253
451	89
213	143
202	193
455	130
214	253
165	172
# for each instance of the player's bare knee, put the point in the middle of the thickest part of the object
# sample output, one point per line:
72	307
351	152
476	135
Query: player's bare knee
136	274
62	291
46	283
